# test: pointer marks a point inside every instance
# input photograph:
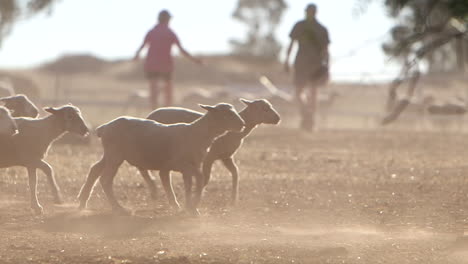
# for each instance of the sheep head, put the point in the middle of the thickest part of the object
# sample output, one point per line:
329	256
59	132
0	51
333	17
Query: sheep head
7	124
225	117
71	118
20	106
261	112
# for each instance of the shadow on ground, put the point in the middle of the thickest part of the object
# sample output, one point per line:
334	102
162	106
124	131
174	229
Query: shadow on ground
112	226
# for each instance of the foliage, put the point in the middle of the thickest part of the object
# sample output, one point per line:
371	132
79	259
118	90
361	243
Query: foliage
430	32
262	18
13	10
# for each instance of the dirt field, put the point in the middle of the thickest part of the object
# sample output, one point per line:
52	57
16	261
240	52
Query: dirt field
352	194
327	197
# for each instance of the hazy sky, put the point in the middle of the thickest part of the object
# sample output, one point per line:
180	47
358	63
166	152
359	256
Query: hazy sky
115	28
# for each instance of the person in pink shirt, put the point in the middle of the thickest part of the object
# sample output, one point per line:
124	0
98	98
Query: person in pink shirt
159	63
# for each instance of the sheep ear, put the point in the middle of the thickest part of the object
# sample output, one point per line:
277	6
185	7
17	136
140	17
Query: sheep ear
207	107
51	110
246	102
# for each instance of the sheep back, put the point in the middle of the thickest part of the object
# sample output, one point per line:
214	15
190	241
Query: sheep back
145	143
171	115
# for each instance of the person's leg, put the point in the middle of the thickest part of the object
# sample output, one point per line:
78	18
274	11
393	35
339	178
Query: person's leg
310	107
153	80
312	78
300	82
168	92
154	93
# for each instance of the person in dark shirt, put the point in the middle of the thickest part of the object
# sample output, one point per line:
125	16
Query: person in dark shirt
310	65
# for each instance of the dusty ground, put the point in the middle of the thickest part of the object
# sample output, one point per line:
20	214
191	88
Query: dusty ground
327	197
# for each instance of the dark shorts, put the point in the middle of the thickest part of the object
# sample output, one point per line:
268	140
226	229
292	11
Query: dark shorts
310	74
166	76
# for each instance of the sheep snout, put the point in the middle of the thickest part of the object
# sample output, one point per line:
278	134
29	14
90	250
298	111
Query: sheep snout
78	126
274	119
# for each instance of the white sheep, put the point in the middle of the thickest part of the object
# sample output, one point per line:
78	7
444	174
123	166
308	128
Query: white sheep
149	145
7	123
20	106
224	147
29	147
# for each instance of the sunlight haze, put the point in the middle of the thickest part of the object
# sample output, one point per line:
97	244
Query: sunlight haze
113	29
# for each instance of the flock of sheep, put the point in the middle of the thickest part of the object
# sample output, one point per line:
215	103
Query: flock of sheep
169	139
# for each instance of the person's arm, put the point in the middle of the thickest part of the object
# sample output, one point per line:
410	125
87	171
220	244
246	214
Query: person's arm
137	54
288	53
294	36
326	54
186	54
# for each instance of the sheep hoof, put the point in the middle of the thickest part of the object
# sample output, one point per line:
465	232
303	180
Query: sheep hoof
37	209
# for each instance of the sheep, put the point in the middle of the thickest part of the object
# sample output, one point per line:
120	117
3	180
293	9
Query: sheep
29	147
149	145
8	125
20	106
224	147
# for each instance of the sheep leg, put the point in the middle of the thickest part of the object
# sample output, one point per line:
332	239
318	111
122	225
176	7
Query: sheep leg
49	172
150	182
200	184
166	181
35	206
207	166
107	180
231	166
86	189
188	190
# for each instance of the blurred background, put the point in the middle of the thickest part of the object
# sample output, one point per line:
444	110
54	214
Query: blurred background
60	51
